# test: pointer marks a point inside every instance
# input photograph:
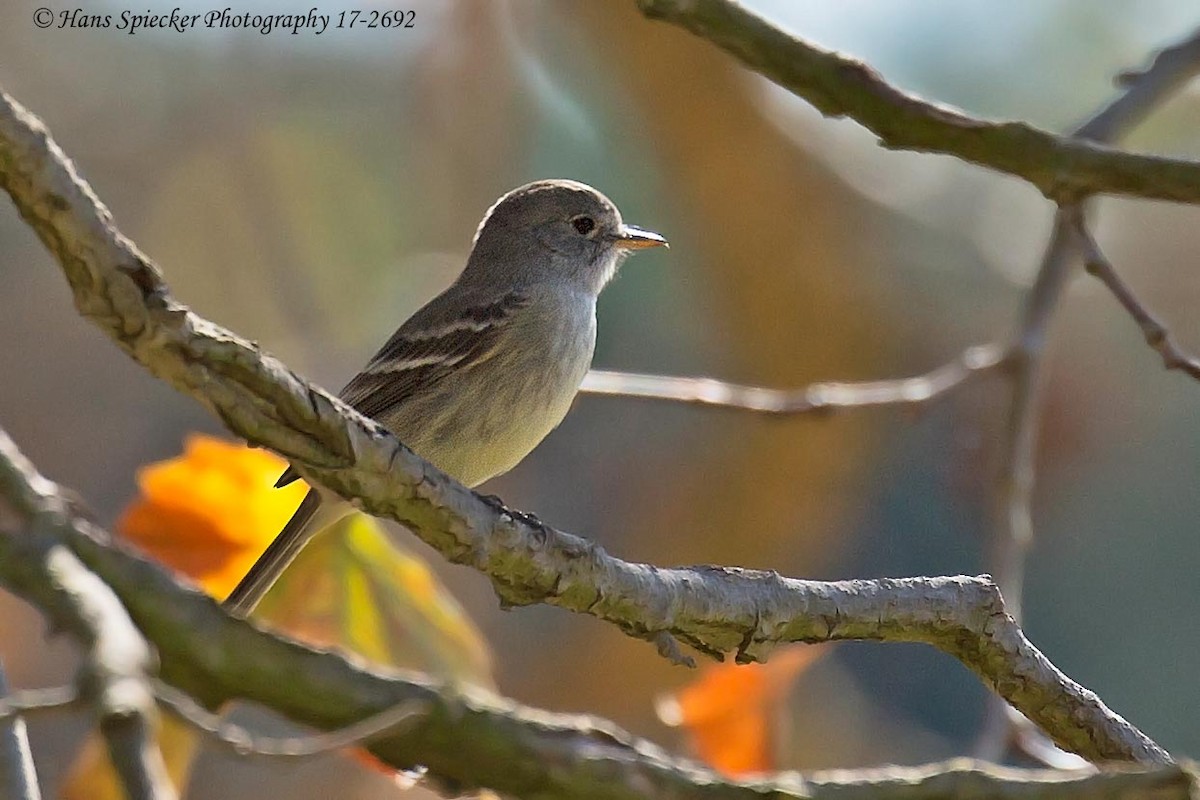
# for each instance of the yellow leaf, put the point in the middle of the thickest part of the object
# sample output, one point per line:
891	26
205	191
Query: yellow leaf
354	587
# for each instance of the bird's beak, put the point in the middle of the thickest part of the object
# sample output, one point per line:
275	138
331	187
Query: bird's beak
635	238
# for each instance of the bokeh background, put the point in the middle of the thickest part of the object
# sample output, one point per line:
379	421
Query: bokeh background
310	192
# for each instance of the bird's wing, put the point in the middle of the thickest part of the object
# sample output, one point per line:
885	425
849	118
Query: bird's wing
421	354
426	349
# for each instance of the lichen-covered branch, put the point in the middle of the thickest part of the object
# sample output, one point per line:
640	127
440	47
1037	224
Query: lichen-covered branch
714	609
468	738
1065	169
35	564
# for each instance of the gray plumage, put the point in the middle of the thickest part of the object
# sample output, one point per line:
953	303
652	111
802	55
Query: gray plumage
475	379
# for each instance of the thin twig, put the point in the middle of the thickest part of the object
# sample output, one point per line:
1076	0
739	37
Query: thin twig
390	721
18	778
915	391
27	701
1158	336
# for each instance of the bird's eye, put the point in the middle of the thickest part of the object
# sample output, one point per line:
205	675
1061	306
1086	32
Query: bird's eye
584	225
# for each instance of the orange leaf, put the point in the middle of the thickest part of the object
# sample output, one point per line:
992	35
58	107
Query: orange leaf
210	513
733	713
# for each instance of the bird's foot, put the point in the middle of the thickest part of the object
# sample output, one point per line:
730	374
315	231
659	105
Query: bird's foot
526	517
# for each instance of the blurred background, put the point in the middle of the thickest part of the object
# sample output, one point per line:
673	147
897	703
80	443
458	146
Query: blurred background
310	192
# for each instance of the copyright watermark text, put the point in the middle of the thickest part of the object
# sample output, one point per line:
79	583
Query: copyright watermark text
177	21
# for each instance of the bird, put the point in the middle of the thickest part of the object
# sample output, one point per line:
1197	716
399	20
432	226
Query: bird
477	377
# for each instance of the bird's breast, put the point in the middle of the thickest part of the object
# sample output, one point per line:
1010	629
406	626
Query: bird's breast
524	392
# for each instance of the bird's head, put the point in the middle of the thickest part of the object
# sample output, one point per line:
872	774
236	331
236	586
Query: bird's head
553	230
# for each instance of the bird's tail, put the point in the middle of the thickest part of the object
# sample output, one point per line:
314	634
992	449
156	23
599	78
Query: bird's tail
303	525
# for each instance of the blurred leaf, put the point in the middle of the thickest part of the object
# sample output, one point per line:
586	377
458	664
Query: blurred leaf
92	778
209	513
734	713
354	587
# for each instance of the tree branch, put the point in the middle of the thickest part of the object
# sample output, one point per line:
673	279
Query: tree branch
714	609
468	738
915	391
1065	169
27	701
243	742
1012	513
1158	336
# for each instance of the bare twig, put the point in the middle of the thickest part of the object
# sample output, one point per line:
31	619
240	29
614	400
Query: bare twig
29	701
36	565
1014	482
390	721
914	391
1157	334
668	647
18	778
1065	169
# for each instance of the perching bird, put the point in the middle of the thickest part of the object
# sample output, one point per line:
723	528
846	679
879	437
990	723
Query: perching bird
476	378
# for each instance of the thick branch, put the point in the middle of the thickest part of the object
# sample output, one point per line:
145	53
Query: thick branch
470	739
714	609
1064	169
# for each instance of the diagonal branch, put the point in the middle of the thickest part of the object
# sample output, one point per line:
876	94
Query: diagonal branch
1158	336
1065	169
819	397
714	609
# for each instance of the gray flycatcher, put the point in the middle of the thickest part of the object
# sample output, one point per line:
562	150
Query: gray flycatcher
476	378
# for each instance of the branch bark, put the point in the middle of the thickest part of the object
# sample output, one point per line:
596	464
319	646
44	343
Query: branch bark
468	738
1065	169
